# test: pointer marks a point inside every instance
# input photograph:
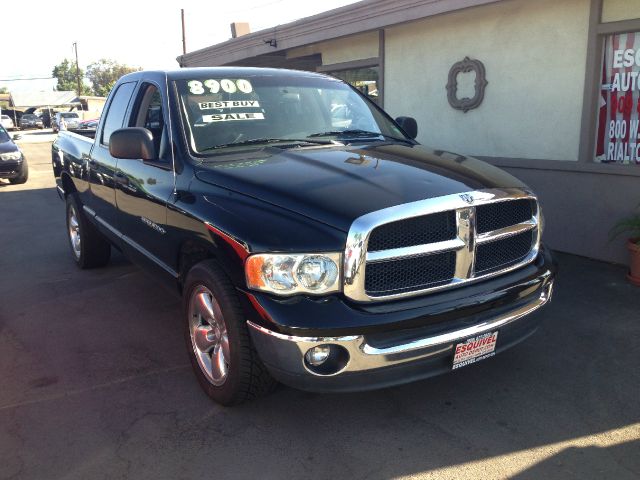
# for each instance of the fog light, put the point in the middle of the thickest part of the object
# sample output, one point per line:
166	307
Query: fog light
316	356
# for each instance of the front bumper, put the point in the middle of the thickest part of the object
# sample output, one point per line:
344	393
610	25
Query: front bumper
10	168
379	359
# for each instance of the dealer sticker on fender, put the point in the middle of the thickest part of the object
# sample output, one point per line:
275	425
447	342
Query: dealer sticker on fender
475	349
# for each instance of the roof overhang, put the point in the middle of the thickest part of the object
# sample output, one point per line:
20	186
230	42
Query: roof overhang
352	19
39	99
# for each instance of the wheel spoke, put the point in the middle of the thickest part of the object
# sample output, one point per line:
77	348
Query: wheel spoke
219	362
204	359
224	343
205	307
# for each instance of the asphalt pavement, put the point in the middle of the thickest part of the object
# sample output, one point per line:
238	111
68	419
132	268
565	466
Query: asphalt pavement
95	382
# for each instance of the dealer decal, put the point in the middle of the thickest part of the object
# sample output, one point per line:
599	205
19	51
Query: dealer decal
230	117
475	349
228	104
240	85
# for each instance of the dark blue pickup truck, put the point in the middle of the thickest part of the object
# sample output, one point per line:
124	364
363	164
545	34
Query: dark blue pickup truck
313	241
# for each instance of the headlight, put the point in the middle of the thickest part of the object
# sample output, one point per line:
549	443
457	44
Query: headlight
17	155
284	274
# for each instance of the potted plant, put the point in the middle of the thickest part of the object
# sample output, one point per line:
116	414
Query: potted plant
631	226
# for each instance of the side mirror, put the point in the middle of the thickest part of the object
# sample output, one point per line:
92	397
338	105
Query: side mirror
409	125
132	143
17	136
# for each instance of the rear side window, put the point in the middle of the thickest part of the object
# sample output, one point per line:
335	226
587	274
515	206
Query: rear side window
117	109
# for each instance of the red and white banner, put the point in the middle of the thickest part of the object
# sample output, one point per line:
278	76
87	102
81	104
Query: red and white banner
618	138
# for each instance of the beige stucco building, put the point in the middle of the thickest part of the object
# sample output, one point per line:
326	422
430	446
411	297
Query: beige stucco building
559	109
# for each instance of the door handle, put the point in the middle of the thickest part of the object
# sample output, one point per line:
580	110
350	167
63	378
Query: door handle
121	179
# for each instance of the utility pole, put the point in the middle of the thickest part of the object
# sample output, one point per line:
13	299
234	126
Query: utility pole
184	42
75	47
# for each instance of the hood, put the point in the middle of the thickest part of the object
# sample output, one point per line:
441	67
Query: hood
335	185
7	147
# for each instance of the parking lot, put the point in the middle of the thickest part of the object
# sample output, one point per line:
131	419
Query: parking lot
95	382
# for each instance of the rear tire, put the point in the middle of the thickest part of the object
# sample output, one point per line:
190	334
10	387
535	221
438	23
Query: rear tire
223	358
89	248
24	175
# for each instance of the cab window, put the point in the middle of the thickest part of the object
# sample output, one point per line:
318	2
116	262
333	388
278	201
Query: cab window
117	110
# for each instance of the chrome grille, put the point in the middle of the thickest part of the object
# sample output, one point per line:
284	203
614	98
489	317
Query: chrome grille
440	243
496	255
494	216
409	274
414	231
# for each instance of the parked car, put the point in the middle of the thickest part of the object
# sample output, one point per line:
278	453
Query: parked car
323	257
89	124
88	127
6	122
29	120
13	164
71	120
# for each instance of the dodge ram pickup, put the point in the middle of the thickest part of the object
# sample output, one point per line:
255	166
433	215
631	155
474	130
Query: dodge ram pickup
313	240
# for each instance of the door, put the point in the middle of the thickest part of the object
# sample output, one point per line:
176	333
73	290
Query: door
144	187
102	166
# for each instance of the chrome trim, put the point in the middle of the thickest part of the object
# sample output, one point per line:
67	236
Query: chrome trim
108	226
414	251
143	251
286	352
505	232
464	204
465	257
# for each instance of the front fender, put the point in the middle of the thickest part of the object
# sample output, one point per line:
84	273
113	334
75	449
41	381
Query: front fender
230	226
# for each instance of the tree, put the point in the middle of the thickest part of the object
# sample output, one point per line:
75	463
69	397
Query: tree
65	72
104	73
4	90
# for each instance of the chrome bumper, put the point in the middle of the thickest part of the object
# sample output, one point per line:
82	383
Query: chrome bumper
284	355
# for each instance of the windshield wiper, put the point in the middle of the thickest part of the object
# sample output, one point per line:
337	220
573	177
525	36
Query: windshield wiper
259	141
357	133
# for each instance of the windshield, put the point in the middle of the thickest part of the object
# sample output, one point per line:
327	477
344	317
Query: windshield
4	136
29	116
69	115
221	113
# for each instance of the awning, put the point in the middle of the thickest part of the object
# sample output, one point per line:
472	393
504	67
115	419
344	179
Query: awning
42	99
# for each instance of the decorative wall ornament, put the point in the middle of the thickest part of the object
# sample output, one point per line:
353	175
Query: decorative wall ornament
467	65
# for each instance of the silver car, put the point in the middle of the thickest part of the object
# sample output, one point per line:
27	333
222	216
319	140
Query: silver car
71	119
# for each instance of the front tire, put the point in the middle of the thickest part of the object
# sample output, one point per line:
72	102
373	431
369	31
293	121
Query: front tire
88	246
224	360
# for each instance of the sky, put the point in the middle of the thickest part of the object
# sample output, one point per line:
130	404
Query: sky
38	35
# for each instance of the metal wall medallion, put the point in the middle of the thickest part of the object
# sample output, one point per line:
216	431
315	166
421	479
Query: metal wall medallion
467	65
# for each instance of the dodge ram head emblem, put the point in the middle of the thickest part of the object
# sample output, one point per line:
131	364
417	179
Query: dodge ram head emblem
466	197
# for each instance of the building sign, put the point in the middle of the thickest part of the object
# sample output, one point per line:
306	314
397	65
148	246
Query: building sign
618	138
